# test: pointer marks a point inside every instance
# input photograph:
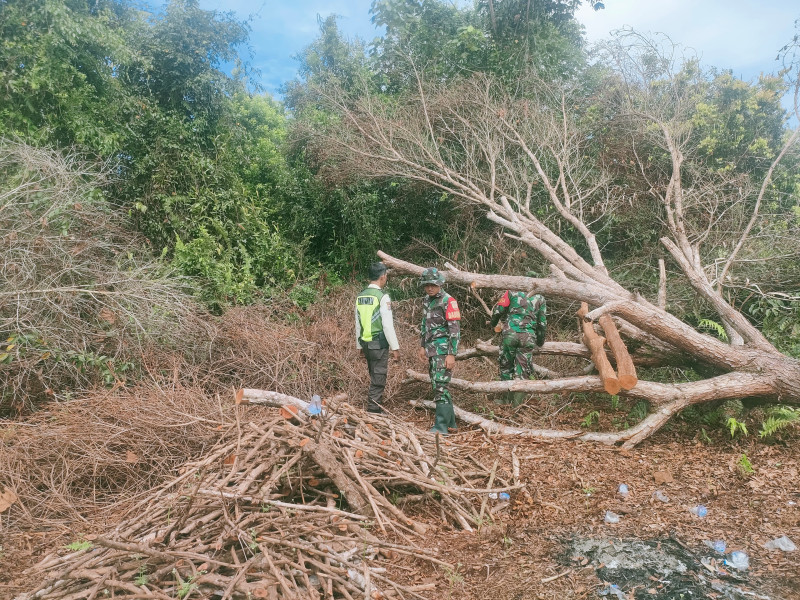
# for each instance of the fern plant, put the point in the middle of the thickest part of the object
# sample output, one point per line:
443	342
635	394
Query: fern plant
745	466
736	426
779	417
591	418
714	327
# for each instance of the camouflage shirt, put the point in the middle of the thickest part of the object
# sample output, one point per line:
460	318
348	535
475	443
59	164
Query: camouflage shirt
522	314
441	329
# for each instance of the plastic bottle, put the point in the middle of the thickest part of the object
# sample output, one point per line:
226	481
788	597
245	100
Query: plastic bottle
623	490
738	560
315	406
699	511
716	545
504	496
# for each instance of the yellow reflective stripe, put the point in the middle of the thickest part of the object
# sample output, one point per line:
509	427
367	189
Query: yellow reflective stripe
366	312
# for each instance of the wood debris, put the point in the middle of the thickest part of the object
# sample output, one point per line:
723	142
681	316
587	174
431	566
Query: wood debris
283	506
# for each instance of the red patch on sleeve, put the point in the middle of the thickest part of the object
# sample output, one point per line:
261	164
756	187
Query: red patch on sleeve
452	313
505	300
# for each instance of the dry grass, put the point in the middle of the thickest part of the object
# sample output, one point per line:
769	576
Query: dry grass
282	348
80	299
79	457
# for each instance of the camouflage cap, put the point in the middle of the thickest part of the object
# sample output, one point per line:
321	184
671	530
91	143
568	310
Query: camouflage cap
431	275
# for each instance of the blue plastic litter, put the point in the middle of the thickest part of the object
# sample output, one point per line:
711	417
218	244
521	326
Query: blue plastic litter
716	545
699	511
738	560
613	590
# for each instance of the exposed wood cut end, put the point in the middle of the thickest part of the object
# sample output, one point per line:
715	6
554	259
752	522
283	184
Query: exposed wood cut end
239	397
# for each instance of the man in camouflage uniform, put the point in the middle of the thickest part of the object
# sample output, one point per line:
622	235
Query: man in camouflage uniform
439	337
525	318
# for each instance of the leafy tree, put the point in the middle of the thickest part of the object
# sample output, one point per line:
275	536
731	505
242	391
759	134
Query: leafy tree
502	37
58	66
198	160
345	220
181	52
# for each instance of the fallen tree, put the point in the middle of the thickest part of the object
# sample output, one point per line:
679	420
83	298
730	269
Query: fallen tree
528	162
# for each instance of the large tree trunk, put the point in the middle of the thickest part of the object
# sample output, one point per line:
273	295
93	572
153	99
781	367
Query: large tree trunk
521	159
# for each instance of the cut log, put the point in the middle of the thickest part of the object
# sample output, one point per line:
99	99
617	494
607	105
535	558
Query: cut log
569	349
255	396
555	348
487	349
492	427
626	372
327	461
670	399
595	344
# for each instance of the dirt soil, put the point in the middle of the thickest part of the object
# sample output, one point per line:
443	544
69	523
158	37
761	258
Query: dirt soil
550	541
528	549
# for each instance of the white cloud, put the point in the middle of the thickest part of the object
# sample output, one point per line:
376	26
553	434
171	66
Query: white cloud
742	35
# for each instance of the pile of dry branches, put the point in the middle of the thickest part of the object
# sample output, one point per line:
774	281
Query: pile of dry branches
284	506
80	300
90	454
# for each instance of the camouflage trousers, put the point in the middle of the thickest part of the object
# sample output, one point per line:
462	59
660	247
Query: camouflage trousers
516	355
440	379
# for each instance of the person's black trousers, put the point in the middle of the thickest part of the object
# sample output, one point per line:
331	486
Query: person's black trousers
378	365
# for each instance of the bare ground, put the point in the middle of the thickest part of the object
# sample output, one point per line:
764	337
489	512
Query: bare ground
572	485
517	552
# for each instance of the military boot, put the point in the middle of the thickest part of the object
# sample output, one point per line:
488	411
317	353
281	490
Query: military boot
445	418
518	398
504	398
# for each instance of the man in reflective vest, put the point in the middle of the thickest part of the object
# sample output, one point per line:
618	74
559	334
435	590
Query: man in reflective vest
525	317
439	337
375	335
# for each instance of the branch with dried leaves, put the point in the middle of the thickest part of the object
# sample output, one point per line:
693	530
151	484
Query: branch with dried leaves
284	505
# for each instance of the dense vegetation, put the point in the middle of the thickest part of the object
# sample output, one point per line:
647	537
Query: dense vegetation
232	188
202	165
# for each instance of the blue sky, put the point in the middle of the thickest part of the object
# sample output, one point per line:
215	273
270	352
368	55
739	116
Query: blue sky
742	35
